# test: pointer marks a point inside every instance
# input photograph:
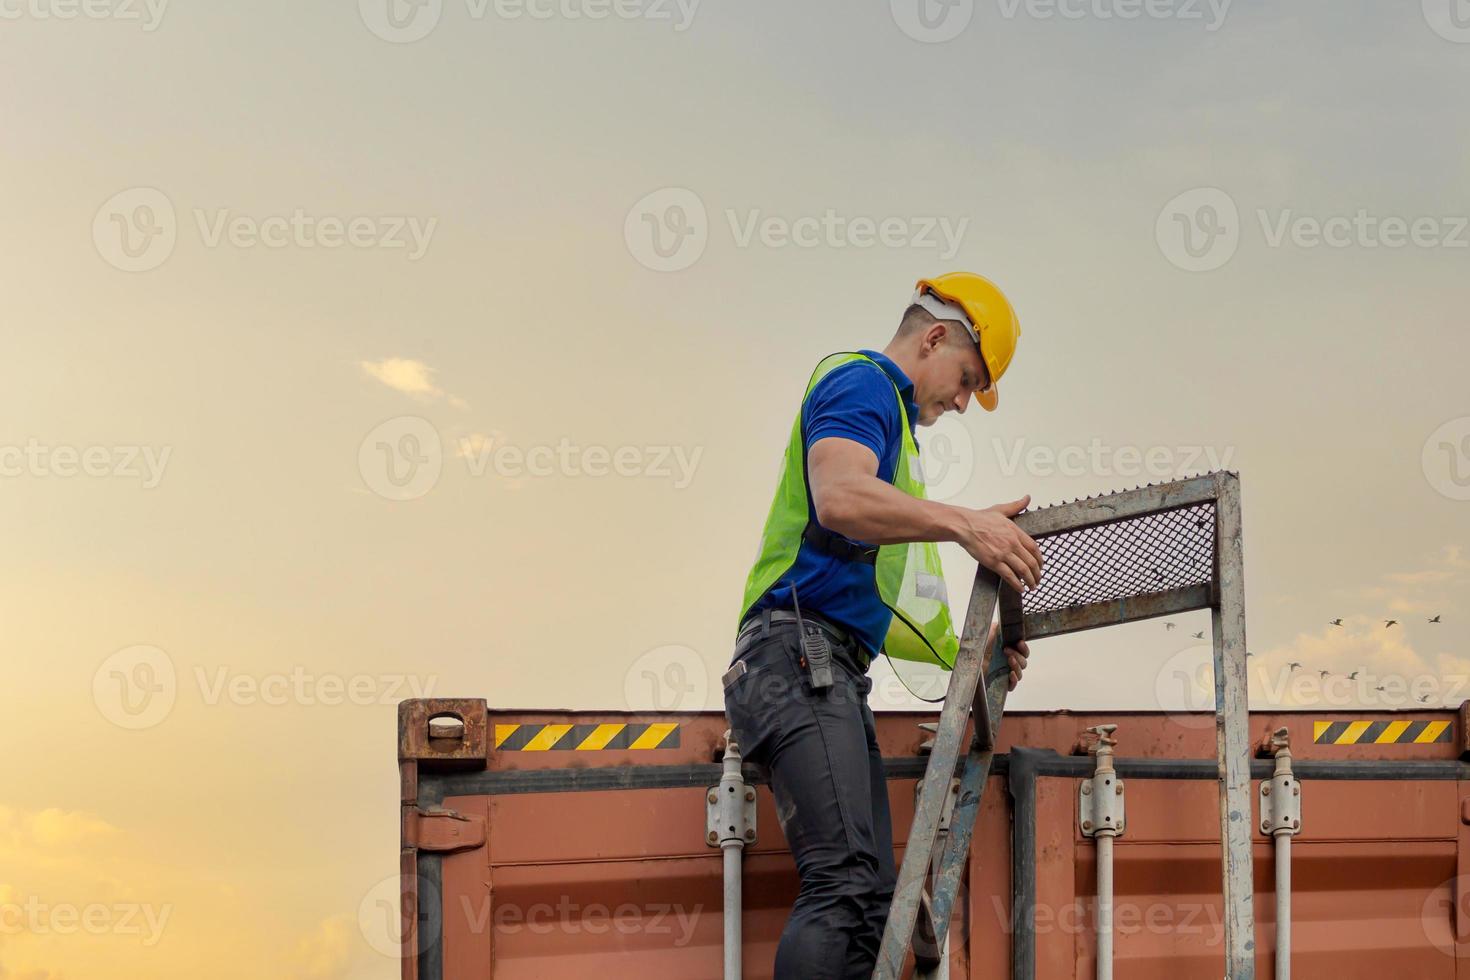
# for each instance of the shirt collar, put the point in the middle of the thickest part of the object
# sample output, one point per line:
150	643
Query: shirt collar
900	380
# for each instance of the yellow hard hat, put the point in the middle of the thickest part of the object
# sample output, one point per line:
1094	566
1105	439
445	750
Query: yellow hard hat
993	322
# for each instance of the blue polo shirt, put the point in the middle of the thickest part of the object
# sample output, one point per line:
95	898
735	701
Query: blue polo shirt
854	401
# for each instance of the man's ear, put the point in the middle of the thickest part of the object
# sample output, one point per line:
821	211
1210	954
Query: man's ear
935	337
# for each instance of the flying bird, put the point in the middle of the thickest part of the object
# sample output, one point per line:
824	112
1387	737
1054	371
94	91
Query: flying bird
1168	626
1335	622
1293	665
1199	636
1435	619
1324	673
1249	654
1380	687
1387	623
1353	676
1423	698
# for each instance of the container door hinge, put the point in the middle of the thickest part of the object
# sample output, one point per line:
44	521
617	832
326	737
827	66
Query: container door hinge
442	831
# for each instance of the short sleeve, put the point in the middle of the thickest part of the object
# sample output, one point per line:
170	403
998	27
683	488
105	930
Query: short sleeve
857	402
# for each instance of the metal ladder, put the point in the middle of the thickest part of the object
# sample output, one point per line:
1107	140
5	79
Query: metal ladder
917	919
1136	554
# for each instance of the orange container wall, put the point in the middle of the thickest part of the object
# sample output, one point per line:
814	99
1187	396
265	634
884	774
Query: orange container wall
594	861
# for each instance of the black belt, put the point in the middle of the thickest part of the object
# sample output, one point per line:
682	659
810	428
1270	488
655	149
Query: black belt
754	629
837	546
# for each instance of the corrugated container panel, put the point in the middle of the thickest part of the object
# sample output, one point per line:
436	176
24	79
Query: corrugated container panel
594	861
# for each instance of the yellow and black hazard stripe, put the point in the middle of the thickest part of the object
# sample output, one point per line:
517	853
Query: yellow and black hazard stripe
1380	732
586	738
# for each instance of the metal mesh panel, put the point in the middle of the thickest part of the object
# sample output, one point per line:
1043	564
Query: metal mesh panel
1153	553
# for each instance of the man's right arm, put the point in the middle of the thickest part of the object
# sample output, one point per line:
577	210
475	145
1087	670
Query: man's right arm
849	498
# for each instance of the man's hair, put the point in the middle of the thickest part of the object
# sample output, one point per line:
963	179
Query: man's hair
916	319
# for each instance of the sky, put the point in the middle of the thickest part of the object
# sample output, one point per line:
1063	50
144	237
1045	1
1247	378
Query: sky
355	352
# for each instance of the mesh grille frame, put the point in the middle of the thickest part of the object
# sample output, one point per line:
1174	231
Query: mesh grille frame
1152	553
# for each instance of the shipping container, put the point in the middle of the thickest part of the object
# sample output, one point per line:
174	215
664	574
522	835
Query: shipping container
556	844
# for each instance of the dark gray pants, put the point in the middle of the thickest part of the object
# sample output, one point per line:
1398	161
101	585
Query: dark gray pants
826	772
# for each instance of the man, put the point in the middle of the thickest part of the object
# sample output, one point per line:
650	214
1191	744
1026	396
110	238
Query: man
848	567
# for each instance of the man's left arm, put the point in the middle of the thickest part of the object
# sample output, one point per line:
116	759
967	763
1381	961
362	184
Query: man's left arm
1016	655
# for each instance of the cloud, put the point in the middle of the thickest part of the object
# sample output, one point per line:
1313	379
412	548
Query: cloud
324	953
51	828
402	374
1380	657
412	378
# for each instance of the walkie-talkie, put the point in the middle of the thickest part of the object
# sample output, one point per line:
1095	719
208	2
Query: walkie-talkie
816	650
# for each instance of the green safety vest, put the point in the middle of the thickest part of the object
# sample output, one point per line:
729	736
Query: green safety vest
909	577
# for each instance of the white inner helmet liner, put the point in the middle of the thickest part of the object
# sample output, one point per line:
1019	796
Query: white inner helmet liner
942	309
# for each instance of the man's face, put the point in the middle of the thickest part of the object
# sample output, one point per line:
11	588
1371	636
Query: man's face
951	372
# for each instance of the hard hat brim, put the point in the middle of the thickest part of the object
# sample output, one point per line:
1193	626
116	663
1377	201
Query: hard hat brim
989	398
